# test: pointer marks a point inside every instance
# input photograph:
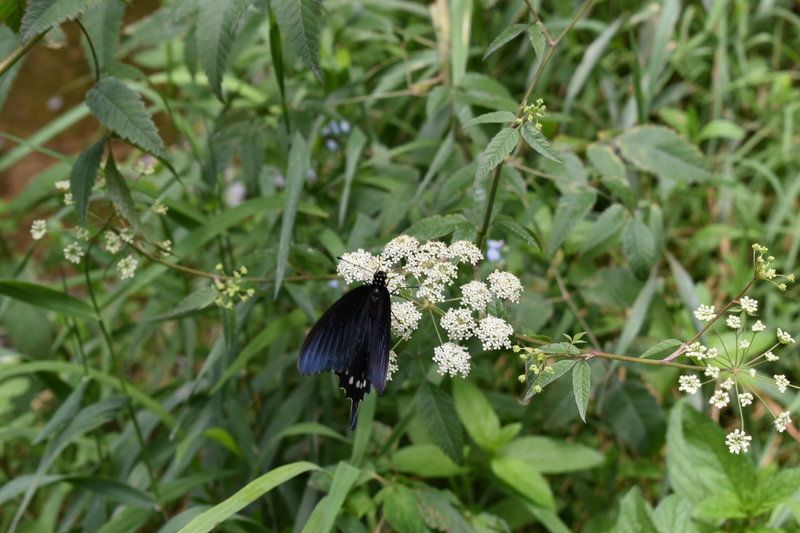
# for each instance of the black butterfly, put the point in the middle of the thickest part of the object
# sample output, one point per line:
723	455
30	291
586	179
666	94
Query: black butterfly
352	340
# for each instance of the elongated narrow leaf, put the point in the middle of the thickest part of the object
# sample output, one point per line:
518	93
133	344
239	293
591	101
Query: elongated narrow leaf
505	36
245	496
537	382
607	226
216	30
103	25
82	176
299	22
436	226
45	297
663	152
572	208
660	347
639	246
500	117
330	506
426	460
44	14
295	177
437	414
111	489
516	229
119	193
581	386
355	146
539	142
65	412
637	315
496	151
119	108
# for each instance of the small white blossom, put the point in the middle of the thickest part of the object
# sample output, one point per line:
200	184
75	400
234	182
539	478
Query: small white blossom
166	247
758	327
727	384
781	382
62	185
745	399
769	356
423	262
733	321
392	365
73	253
126	235
476	295
82	233
465	252
749	305
430	291
712	371
38	229
68	199
720	399
752	372
711	353
405	319
452	359
505	285
689	384
784	337
127	267
782	421
494	333
357	266
744	344
738	441
145	165
696	350
113	242
458	323
401	247
159	208
705	313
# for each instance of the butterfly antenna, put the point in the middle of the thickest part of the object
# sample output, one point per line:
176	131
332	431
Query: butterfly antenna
354	413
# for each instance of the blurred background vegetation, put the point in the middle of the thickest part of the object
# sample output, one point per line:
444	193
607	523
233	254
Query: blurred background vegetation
290	132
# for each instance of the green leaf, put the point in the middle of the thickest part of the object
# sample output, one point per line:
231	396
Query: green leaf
329	507
119	193
356	142
216	31
661	346
635	416
299	21
11	12
589	59
299	160
103	24
436	226
439	418
44	14
572	208
638	314
110	489
245	496
581	386
674	515
426	460
605	160
503	117
65	412
720	128
664	153
537	38
121	109
523	479
401	510
607	226
311	428
496	151
516	229
505	36
82	176
199	299
639	246
46	298
443	153
539	142
553	456
439	512
537	382
635	514
476	414
223	438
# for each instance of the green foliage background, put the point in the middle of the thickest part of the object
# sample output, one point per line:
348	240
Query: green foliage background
293	131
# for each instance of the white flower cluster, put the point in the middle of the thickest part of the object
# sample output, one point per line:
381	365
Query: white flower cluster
738	441
433	267
700	352
705	313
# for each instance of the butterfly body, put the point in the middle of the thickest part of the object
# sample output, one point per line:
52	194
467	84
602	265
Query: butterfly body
352	339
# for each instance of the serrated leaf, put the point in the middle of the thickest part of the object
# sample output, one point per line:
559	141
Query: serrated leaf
662	346
119	193
496	151
581	386
400	508
216	30
119	108
607	226
539	142
572	208
436	226
299	22
299	160
82	176
439	418
537	382
199	299
639	246
516	229
44	14
635	514
505	36
537	38
663	152
502	117
103	26
47	298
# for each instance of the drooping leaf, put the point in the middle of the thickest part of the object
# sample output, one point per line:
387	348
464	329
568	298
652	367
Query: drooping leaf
216	31
47	298
516	229
437	414
111	489
505	36
661	346
44	14
581	386
663	152
299	22
639	246
299	160
121	109
539	142
496	151
103	24
82	176
537	382
493	117
119	193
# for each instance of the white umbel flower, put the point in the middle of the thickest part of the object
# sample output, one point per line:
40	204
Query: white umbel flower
113	242
505	285
405	319
127	267
784	337
782	421
392	365
738	441
458	323
357	266
494	333
769	356
399	248
705	313
758	327
750	305
745	399
452	359
73	253
720	399
712	371
733	321
476	295
781	382
465	252
38	229
689	384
